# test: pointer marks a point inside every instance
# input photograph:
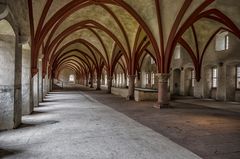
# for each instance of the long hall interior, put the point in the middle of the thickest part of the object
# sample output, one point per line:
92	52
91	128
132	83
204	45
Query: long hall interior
120	79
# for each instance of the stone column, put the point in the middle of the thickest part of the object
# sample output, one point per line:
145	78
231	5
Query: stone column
35	90
45	86
10	82
163	98
91	82
109	80
18	84
50	85
86	82
27	104
131	87
98	82
103	79
40	81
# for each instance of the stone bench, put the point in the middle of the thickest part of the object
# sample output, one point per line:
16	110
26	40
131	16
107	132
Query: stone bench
144	94
123	92
140	94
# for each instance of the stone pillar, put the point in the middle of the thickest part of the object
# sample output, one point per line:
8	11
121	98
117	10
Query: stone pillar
98	82
27	104
109	80
50	84
44	86
103	79
40	81
131	87
91	82
10	82
47	85
86	82
18	85
163	98
35	90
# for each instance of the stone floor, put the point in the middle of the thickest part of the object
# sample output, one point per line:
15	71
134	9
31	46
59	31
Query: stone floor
229	106
209	132
73	124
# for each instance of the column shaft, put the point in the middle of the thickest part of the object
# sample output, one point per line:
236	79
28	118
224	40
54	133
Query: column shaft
163	98
131	87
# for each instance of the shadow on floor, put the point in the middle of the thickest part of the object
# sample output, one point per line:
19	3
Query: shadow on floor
37	112
35	124
26	125
9	152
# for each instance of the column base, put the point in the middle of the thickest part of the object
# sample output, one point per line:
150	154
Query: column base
161	105
130	98
98	89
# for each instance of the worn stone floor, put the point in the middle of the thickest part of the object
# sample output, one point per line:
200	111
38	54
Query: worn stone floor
81	125
209	132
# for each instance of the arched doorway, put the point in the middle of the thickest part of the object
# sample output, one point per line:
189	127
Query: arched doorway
176	77
189	81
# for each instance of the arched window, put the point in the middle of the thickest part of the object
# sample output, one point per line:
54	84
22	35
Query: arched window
177	52
71	78
238	77
117	80
147	78
153	78
214	77
106	80
192	78
152	61
222	41
120	79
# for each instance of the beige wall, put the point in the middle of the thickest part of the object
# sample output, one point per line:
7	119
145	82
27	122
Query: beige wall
225	61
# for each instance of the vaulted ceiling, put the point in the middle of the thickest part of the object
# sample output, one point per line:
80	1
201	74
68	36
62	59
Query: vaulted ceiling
89	35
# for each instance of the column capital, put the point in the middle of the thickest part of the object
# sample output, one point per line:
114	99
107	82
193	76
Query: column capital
163	77
131	76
